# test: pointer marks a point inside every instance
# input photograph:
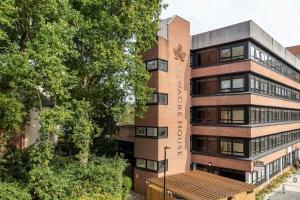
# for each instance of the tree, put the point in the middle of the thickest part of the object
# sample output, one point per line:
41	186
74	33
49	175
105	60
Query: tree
82	55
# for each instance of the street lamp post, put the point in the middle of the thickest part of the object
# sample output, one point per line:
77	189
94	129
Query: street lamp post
165	169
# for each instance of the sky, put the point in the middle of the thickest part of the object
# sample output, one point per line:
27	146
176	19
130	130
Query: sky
279	18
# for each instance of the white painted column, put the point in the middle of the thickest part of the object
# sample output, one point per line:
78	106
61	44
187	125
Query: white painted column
268	173
248	177
291	158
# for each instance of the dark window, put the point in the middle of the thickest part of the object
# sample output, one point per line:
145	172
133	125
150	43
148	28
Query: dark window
226	84
206	115
208	57
158	64
230	53
266	60
151	165
154	132
212	145
199	143
205	86
226	146
159	98
238	147
232	115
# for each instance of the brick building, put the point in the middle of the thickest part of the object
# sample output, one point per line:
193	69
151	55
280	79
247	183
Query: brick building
226	101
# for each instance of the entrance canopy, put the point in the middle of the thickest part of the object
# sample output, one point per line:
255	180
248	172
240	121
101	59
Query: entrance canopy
199	185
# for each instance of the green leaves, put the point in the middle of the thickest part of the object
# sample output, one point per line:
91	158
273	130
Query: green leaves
11	113
83	56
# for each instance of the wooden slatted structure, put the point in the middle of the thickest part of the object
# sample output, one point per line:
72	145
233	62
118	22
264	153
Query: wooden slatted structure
199	185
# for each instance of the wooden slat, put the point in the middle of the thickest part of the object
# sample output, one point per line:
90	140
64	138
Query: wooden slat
199	185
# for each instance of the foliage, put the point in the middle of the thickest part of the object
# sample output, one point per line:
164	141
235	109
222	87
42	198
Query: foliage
99	179
12	191
126	186
275	184
83	57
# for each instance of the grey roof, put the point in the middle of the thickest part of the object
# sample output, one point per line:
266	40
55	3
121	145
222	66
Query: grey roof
241	31
167	20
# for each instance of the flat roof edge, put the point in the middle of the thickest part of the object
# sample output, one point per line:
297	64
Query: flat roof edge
242	31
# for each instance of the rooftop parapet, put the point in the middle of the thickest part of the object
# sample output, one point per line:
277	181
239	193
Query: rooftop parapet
242	31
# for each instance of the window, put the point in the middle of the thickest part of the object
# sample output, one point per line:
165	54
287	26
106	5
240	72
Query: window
232	115
154	132
238	148
159	98
225	54
205	86
152	165
161	165
154	98
151	132
212	145
238	52
199	143
265	59
151	65
226	146
225	115
225	85
163	65
230	53
208	57
212	115
159	64
163	99
205	114
141	163
233	84
238	116
267	87
163	132
140	131
238	84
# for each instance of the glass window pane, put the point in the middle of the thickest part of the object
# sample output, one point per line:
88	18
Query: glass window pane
226	146
238	52
151	65
200	144
200	114
225	85
238	83
238	116
226	115
141	163
212	115
163	65
152	165
154	98
140	131
152	132
225	53
212	145
163	132
238	147
163	99
161	165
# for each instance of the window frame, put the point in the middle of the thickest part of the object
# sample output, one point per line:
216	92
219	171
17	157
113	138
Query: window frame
158	68
157	131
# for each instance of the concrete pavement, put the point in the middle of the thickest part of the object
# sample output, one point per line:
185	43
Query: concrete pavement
292	190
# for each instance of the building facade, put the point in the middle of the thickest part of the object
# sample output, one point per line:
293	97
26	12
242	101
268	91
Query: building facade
226	101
